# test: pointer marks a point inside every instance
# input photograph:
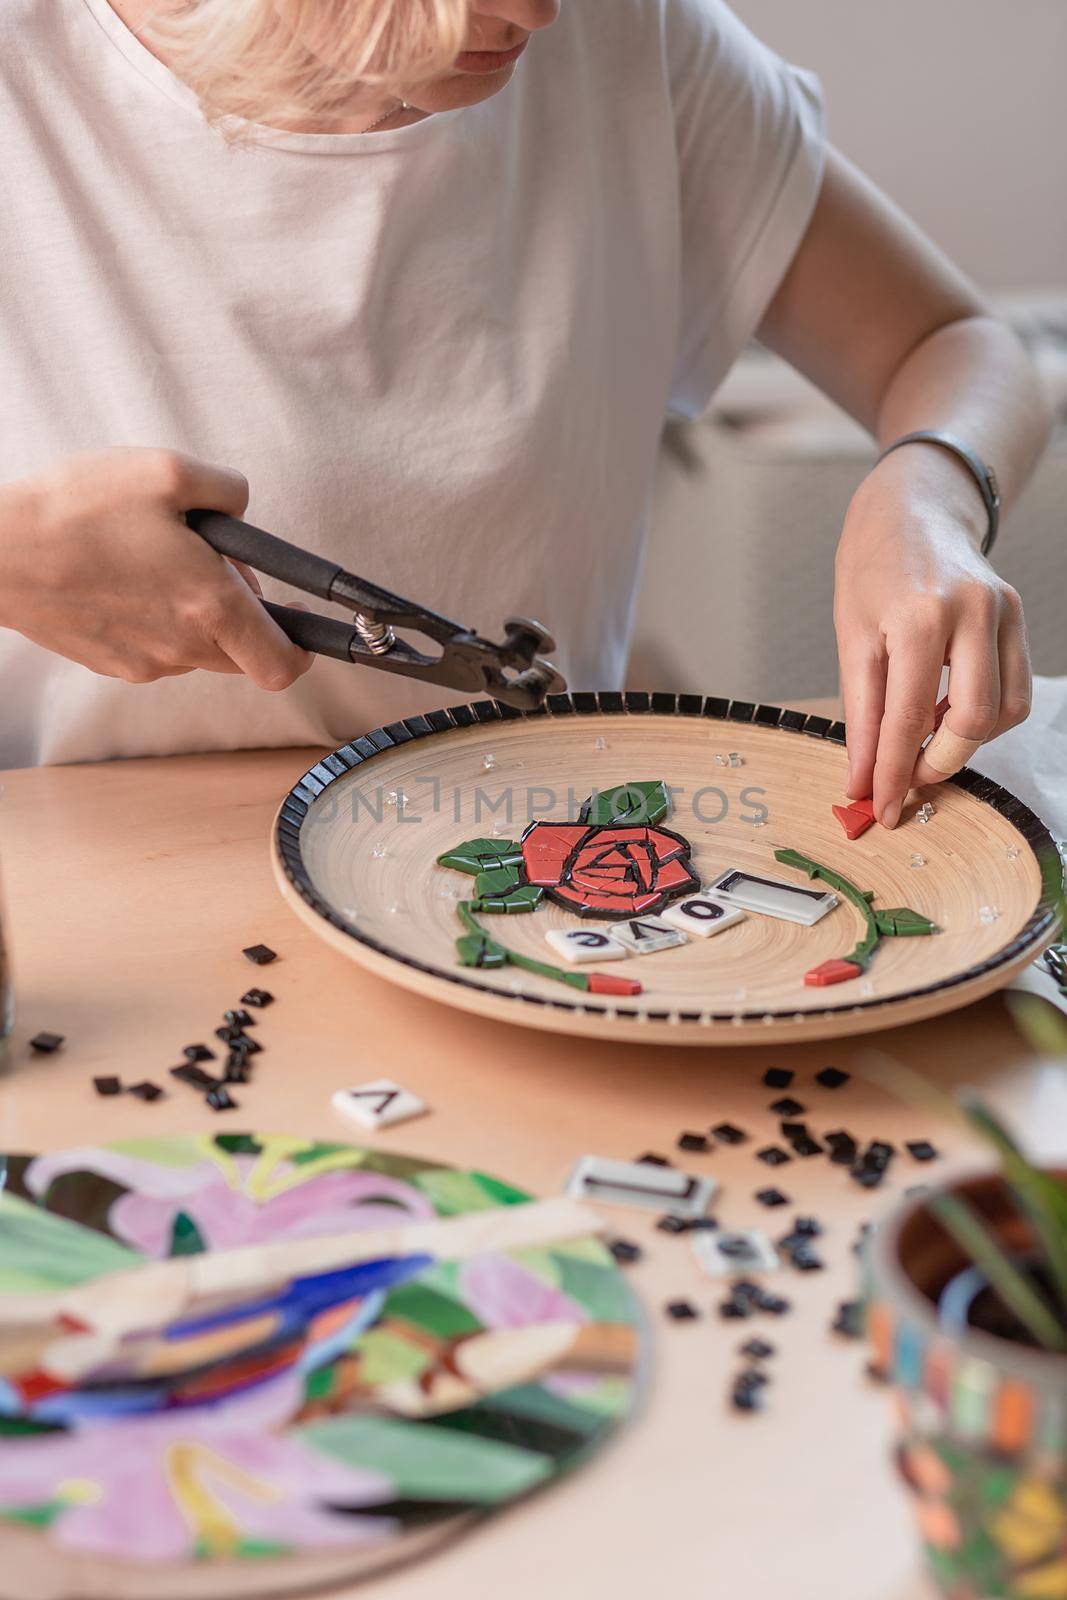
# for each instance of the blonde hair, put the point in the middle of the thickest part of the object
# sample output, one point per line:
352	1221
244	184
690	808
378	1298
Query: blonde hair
250	59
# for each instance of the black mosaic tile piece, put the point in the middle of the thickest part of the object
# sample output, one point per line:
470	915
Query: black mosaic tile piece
778	1077
921	1150
107	1086
772	1197
198	1052
624	1251
832	1077
682	1311
727	1133
786	1106
46	1043
773	1155
146	1091
257	997
260	954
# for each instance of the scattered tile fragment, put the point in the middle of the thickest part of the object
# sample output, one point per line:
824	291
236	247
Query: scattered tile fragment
747	1249
807	1227
220	1099
843	1148
198	1052
682	1311
672	1224
260	954
650	1159
694	1141
107	1085
46	1043
746	1391
624	1251
726	1133
778	1077
378	1103
773	1155
758	1349
848	1319
238	1018
146	1090
193	1075
786	1107
257	997
832	1077
772	1197
921	1150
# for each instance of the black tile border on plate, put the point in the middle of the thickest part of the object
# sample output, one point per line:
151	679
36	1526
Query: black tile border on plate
339	763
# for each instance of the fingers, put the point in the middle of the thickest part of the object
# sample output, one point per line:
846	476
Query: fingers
252	640
248	575
911	691
974	705
1016	675
185	483
863	684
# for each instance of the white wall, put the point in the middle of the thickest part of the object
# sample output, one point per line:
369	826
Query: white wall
958	108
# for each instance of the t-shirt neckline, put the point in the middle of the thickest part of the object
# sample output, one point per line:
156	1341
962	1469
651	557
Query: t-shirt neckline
333	144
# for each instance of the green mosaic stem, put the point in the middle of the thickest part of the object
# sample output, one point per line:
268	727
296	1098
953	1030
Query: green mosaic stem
543	969
861	956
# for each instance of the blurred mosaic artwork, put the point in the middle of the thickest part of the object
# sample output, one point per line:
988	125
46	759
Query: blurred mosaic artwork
349	1416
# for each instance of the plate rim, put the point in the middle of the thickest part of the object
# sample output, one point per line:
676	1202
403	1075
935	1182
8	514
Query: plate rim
297	804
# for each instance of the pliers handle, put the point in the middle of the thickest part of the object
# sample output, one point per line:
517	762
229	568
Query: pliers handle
513	672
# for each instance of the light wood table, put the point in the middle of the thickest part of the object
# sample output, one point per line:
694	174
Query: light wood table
131	890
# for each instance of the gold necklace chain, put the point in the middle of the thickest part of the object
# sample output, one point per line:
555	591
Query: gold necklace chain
401	105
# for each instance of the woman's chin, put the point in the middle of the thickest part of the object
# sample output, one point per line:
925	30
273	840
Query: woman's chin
461	89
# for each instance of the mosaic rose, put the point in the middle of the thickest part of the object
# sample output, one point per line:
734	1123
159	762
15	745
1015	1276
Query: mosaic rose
607	871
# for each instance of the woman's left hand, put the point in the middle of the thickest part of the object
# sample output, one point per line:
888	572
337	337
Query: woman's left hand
913	594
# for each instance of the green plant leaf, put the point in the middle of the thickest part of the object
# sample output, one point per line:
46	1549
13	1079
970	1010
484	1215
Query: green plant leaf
479	855
980	1246
478	950
1040	1024
1041	1197
632	804
902	922
526	897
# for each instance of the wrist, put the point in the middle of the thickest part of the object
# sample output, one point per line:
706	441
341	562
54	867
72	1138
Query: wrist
19	520
925	481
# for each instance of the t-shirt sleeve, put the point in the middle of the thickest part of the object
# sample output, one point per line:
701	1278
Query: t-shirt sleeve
751	149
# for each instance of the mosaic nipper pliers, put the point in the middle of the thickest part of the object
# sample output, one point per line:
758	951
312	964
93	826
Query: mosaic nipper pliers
514	672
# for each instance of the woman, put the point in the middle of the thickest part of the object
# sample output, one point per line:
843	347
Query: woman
416	281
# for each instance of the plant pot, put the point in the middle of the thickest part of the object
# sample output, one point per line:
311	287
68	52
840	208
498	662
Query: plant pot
984	1418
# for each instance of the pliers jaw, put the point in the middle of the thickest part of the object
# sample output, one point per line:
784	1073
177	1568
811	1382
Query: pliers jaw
513	672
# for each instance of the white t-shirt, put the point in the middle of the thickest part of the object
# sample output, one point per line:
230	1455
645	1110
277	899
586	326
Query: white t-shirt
441	355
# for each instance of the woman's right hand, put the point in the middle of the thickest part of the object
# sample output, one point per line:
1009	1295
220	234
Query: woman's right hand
97	564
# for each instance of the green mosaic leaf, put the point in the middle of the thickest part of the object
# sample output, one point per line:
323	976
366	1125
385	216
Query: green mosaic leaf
43	1251
385	1357
478	950
526	897
454	1192
602	1291
635	804
902	922
185	1238
427	1462
431	1311
478	854
496	882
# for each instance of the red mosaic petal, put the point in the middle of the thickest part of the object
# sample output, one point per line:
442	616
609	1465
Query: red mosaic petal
606	983
852	820
836	971
593	900
663	845
675	875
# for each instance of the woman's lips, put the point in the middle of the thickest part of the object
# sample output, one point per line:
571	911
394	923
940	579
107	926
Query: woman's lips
489	60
